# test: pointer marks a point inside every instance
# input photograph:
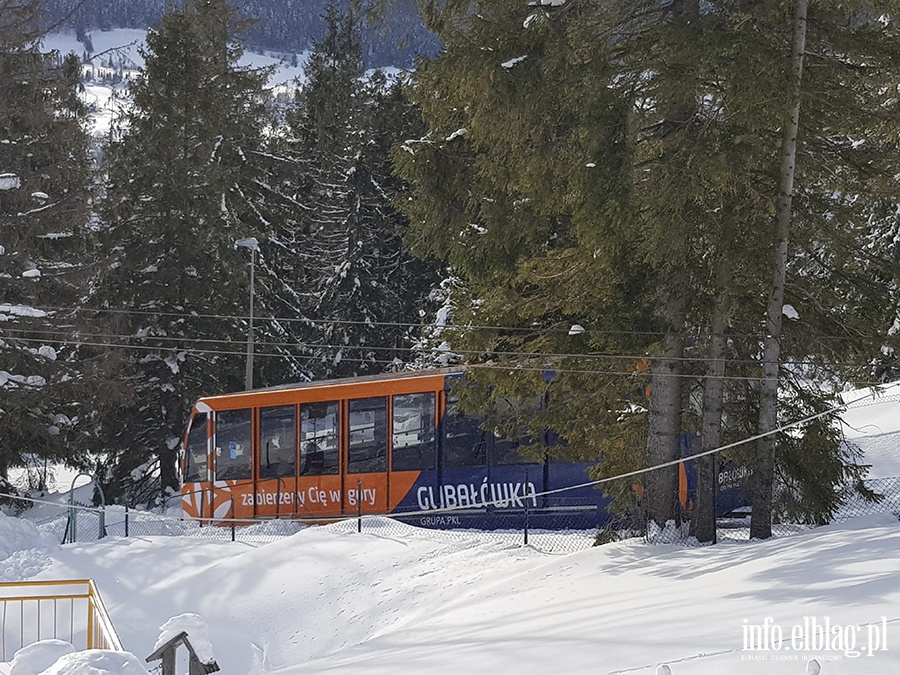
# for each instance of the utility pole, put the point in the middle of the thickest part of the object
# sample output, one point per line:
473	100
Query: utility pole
253	244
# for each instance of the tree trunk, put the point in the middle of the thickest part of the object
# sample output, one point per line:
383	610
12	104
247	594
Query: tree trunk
703	520
168	472
764	470
664	436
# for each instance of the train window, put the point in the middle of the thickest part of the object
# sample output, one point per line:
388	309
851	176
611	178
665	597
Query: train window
414	445
509	452
466	441
506	450
233	445
277	441
319	439
368	435
195	462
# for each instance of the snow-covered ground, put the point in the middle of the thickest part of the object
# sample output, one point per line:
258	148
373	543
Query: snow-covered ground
873	423
397	599
330	600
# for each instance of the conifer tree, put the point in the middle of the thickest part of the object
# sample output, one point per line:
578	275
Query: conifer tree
673	220
184	184
45	189
356	289
544	189
834	116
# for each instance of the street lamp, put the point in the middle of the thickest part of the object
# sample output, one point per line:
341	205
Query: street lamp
253	244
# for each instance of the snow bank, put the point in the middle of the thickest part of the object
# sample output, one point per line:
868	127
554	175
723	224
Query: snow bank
97	662
37	657
22	549
874	425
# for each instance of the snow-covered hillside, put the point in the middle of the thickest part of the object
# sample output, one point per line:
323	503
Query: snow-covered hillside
397	599
330	600
116	56
874	425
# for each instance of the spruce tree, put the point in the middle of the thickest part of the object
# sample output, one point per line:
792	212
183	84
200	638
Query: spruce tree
45	190
835	145
667	237
357	291
527	183
183	185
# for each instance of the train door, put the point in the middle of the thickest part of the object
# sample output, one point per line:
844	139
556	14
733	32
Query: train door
232	492
483	469
465	474
320	485
196	487
517	464
276	465
517	478
366	479
413	456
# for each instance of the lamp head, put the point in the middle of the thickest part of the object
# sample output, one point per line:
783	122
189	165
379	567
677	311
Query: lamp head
247	242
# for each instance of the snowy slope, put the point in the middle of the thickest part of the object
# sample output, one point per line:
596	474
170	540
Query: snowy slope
397	599
873	423
122	47
328	600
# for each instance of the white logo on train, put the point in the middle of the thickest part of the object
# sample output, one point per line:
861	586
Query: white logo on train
500	495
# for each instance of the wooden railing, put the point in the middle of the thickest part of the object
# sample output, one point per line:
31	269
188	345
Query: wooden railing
31	611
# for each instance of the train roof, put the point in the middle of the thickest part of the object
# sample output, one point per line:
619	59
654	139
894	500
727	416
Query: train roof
338	382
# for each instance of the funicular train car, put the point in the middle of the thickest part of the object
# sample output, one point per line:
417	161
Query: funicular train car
393	444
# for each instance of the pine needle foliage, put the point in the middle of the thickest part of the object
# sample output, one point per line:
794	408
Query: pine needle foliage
616	166
183	185
45	261
353	283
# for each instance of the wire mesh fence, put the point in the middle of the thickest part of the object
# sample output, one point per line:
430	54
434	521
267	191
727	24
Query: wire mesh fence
883	497
115	521
886	501
118	522
572	529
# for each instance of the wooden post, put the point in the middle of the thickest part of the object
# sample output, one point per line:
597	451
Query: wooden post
166	653
168	662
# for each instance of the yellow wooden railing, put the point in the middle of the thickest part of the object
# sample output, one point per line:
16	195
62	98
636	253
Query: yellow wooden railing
73	611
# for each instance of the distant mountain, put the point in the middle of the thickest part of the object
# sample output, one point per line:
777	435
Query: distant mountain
280	25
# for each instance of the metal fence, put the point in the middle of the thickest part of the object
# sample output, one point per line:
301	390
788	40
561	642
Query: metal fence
505	527
737	527
31	611
122	522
